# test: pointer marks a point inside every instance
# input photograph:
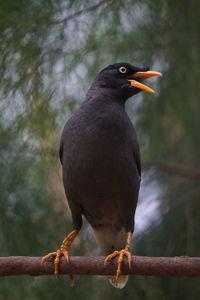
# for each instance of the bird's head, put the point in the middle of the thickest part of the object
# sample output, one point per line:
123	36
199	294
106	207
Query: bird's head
124	79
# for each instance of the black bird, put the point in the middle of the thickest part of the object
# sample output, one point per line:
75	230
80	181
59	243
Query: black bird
100	157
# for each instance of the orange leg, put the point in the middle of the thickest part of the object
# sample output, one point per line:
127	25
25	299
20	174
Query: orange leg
121	253
63	251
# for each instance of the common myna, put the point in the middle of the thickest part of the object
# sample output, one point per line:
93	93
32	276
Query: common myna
100	158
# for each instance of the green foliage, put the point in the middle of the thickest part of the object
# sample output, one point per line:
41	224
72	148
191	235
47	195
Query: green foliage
48	57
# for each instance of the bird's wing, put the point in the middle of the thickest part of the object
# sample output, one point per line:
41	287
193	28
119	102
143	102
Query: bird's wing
61	152
136	154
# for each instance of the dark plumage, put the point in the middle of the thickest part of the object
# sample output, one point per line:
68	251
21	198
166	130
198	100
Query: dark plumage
100	155
101	161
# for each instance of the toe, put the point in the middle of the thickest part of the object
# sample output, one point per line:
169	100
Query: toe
129	256
46	257
111	256
120	254
66	255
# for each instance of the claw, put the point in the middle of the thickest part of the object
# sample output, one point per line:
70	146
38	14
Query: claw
63	251
66	255
71	280
111	256
46	257
129	256
121	255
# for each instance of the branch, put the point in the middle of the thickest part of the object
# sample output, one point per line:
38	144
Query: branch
82	265
174	168
65	19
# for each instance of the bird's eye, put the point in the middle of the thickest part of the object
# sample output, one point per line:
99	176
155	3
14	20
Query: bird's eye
122	70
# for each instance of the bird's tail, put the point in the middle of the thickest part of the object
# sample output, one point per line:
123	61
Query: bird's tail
122	281
110	239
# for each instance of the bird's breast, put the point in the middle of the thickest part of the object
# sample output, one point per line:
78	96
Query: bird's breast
99	171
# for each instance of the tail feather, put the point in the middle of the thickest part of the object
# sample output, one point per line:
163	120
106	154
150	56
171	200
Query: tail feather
110	239
122	281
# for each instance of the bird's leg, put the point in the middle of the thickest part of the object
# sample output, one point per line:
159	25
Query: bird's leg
121	253
63	251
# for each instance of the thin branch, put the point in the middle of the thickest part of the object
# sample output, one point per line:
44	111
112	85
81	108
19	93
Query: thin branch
174	169
65	19
82	265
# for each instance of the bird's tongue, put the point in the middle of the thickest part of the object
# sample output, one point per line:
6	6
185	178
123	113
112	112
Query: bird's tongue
142	76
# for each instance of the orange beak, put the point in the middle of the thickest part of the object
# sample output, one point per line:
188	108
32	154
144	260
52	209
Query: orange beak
142	76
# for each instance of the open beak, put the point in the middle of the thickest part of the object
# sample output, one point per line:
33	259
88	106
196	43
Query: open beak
141	76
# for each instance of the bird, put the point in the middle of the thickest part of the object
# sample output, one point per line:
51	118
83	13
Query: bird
101	165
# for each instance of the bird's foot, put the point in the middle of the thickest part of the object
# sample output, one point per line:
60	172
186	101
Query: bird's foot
121	254
57	254
63	251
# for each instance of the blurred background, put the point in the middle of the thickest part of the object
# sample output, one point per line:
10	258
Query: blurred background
50	51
